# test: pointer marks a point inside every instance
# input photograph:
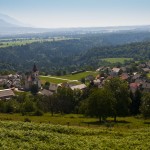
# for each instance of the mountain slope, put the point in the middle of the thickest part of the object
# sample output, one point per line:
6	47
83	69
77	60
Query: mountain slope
11	20
4	24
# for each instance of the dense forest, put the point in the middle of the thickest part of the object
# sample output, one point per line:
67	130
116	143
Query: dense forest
79	53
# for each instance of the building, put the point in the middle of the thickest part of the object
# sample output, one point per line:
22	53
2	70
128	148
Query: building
32	78
6	94
79	87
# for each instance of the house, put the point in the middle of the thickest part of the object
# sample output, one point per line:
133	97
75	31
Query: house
79	87
46	92
146	70
136	76
124	76
97	82
134	87
89	78
146	87
2	82
53	87
6	94
115	72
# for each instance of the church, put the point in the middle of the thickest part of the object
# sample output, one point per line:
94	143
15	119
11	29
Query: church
32	78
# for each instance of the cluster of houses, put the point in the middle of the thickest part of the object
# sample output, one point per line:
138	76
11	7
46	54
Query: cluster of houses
136	79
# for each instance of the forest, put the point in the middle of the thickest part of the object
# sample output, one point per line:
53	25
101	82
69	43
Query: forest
80	52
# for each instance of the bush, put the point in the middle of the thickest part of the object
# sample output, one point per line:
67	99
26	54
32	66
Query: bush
27	120
38	113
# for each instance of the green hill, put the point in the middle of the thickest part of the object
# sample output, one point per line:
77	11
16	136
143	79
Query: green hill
20	135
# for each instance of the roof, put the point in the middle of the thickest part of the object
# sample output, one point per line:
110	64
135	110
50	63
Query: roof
116	69
53	87
134	85
80	87
6	93
146	85
124	76
46	92
146	69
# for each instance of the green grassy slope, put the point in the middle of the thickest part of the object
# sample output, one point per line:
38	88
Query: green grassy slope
20	135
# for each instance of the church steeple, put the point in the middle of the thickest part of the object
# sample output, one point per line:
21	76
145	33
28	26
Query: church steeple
34	68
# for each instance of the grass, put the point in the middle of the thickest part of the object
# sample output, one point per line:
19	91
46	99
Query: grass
67	78
79	120
79	75
117	60
51	80
31	135
20	135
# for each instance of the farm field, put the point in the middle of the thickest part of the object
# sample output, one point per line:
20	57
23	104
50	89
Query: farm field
19	42
117	60
23	135
67	78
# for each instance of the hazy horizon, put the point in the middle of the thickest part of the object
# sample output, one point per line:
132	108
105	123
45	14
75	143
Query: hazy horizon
79	13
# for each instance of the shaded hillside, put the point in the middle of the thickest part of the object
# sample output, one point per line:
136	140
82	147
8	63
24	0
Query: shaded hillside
74	54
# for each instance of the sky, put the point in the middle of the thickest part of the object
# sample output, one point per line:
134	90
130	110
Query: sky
78	13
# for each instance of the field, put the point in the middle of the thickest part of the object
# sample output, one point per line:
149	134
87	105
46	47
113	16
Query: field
67	78
18	42
117	60
23	135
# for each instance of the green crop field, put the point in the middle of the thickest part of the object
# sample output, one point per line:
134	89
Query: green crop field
21	135
117	60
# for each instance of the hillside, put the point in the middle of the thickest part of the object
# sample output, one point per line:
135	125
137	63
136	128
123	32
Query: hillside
72	53
21	135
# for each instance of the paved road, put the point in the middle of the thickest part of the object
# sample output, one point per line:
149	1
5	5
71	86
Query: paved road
60	78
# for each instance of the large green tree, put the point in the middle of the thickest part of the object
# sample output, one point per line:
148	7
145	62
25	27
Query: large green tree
145	106
100	104
119	89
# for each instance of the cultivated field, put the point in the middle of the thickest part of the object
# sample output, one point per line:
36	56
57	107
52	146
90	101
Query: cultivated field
117	60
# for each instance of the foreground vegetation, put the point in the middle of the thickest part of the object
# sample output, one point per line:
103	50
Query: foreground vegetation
20	135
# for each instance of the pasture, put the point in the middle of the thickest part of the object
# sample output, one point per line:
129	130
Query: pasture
67	78
117	60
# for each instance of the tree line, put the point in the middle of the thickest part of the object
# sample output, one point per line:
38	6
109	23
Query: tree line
113	100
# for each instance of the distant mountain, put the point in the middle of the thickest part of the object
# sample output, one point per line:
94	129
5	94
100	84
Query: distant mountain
4	24
11	20
11	26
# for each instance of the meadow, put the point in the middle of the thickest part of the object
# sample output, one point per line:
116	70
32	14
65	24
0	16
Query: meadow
67	78
22	41
117	60
42	136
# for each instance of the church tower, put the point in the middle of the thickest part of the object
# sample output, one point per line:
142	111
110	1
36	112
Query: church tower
32	78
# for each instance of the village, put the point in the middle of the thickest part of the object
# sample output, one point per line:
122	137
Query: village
137	78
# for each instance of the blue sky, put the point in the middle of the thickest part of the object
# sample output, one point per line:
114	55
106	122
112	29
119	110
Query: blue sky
78	13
